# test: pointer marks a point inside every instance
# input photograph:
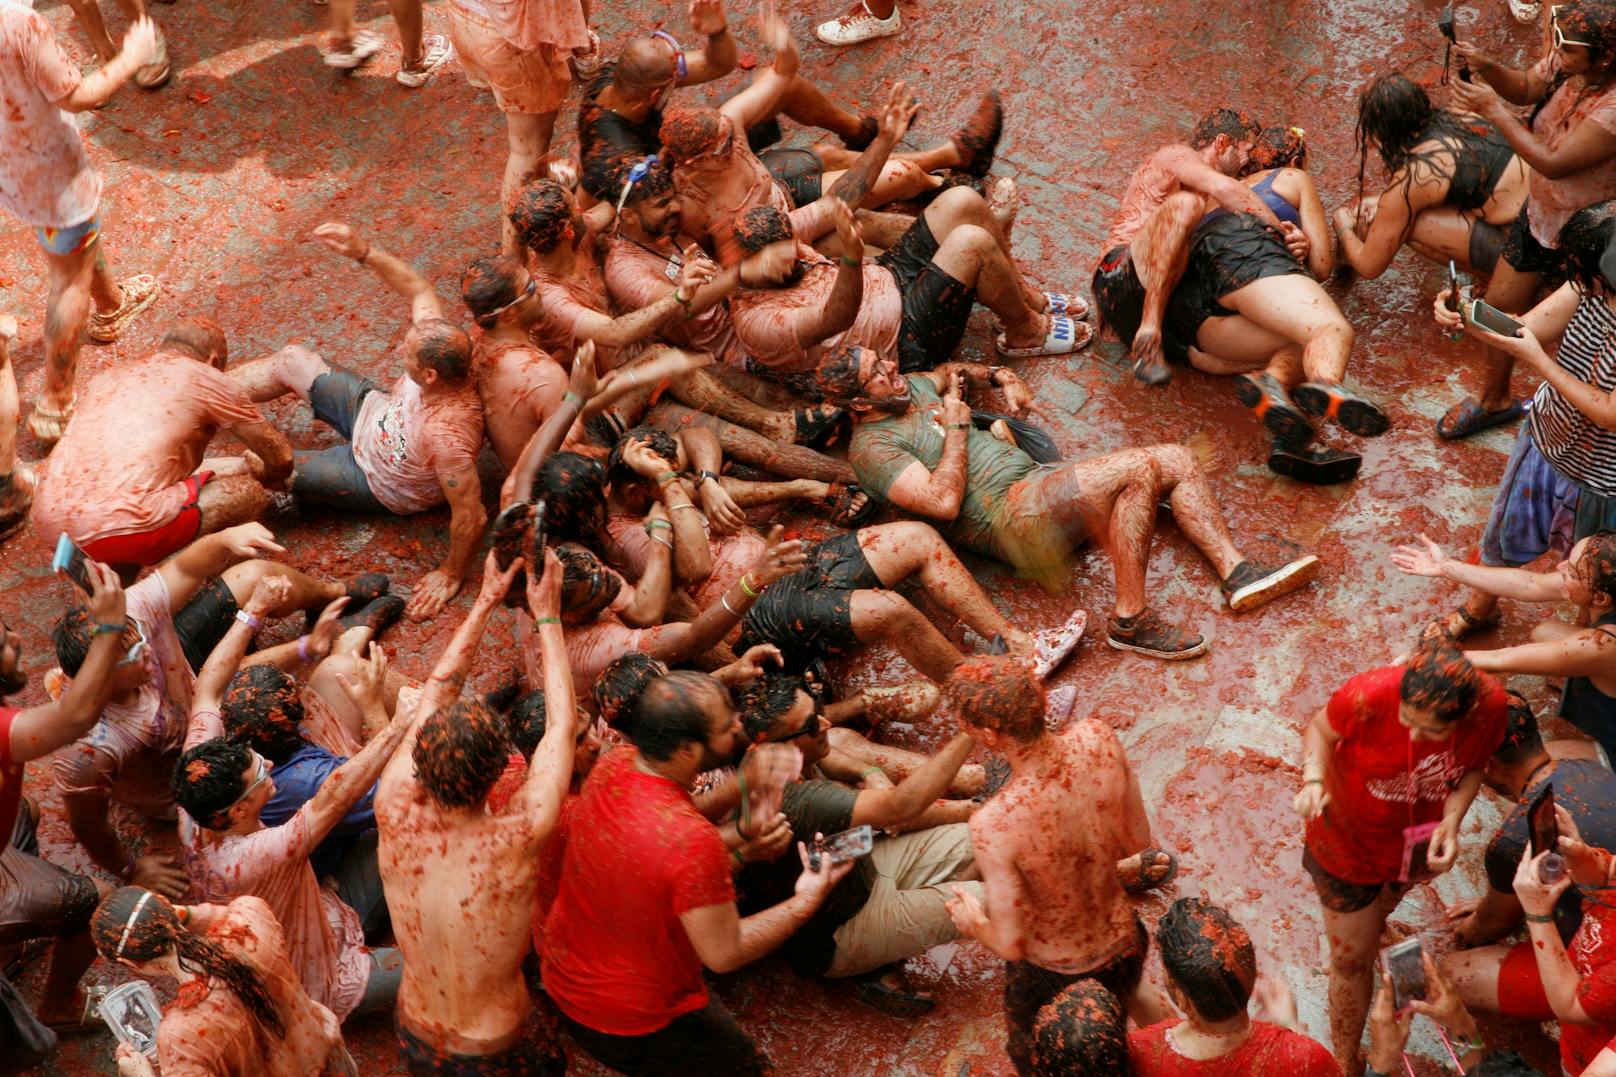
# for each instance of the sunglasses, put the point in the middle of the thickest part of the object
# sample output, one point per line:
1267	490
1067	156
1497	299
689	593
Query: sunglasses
137	650
525	293
809	728
1560	40
259	779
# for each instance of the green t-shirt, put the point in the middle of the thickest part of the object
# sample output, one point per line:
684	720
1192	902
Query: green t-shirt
882	449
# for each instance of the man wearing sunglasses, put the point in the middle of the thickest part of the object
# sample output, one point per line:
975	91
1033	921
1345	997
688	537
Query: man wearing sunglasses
37	898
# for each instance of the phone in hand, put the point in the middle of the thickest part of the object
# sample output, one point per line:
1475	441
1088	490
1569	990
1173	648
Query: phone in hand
839	848
1489	319
69	563
1453	286
1444	24
1403	964
1542	828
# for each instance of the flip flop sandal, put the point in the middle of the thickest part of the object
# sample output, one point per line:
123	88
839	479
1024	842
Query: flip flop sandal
1469	417
893	1001
839	504
1027	437
360	48
1339	404
1469	625
1061	303
817	426
436	51
139	292
1065	336
1157	868
1052	646
49	426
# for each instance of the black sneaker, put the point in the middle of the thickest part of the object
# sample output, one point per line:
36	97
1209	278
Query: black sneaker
1253	583
1318	467
360	590
376	614
1147	633
1356	414
1263	394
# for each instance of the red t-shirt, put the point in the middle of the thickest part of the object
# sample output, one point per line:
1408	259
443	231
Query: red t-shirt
639	854
1268	1050
10	778
1382	780
1593	952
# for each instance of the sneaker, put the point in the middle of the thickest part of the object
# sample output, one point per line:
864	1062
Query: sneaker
353	54
978	140
1526	13
1147	633
1263	394
435	52
139	292
1356	414
1052	645
375	615
1253	583
857	27
906	702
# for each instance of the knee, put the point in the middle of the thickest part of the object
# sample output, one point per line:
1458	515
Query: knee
960	201
890	612
242	578
909	535
1173	463
905	174
1339	332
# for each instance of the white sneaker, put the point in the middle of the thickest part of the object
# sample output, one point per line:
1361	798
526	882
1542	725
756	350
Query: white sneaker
1525	12
1052	645
858	26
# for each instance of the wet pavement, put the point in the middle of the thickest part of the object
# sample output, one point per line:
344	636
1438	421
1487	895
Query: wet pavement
215	182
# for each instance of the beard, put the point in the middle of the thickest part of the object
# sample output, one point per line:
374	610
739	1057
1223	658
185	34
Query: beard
895	405
670	226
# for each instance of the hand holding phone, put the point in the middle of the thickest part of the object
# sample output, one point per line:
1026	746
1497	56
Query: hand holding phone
1403	964
1489	319
839	848
69	563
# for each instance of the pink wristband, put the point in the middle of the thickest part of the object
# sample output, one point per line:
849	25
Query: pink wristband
303	649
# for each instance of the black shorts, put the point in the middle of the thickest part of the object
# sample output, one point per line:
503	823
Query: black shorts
202	622
1338	895
800	172
37	898
1526	255
1227	252
1119	294
809	614
536	1054
696	1045
1028	988
1486	245
935	305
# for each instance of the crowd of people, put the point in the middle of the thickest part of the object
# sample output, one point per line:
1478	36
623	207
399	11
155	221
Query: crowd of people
683	332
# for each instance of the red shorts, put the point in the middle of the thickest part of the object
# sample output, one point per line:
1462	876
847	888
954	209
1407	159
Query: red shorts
150	547
1520	987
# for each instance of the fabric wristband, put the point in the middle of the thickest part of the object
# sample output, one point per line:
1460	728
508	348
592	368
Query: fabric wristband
658	525
570	397
666	477
1533	918
249	620
746	586
548	621
846	261
303	649
102	628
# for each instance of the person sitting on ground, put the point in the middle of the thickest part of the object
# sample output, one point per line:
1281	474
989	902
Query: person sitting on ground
460	878
646	900
1453	187
1055	910
891	906
37	898
1148	247
1559	485
240	1007
1388	1031
1211	969
405	451
175	617
124	482
1395	757
915	446
1579	653
223	785
1569	144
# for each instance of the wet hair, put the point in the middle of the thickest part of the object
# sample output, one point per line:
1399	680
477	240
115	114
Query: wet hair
262	709
619	473
658	180
837	375
643	64
1279	147
1505	1064
1583	239
1223	121
998	692
1600	555
585	581
1081	1030
487	286
202	337
1209	956
1440	679
690	132
443	347
120	931
70	636
618	689
460	752
1591	21
760	226
767	700
671	713
541	215
207	780
574	491
1522	738
527	722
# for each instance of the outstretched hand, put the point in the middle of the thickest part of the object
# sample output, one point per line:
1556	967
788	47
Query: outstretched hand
781	557
140	41
707	17
1426	559
899	111
341	238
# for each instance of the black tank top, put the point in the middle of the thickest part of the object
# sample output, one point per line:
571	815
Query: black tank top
1589	709
1480	157
605	139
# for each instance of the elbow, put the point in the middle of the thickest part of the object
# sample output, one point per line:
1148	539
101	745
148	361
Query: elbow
946	507
723	963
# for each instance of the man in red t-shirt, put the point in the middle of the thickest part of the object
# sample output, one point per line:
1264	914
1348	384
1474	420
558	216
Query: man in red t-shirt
1389	768
1211	971
39	899
646	899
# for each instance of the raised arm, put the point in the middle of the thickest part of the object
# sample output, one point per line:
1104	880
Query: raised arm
97	88
225	658
549	772
39	731
817	324
207	557
1196	175
1427	559
1588	653
1587	144
937	494
759	101
854	184
692	554
901	804
424	302
718	55
1518	86
449	675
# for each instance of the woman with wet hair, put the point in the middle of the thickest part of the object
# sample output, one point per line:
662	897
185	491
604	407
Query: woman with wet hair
240	1008
1390	766
1569	144
1453	184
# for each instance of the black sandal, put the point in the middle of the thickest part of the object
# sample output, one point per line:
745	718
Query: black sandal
839	504
1157	868
900	1001
817	426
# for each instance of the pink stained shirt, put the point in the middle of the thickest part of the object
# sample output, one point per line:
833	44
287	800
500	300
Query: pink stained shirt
1551	202
637	277
1148	187
530	24
631	548
713	200
567	302
141	429
521	386
766	318
406	443
45	175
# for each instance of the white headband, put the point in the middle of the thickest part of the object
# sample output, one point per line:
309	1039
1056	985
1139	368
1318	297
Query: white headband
133	915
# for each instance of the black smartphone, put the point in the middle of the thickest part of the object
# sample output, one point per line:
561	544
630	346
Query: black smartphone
848	845
1542	828
535	560
1490	319
69	561
1453	286
1419	860
1444	24
1402	963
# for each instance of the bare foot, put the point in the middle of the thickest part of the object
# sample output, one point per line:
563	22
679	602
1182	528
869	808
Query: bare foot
1004	203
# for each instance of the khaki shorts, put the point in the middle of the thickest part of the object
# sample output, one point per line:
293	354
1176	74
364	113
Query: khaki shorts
527	81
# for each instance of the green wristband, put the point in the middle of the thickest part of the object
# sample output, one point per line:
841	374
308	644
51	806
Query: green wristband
570	397
102	628
548	621
1533	918
658	525
846	261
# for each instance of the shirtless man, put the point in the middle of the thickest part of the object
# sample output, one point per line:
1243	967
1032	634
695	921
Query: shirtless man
460	881
1149	242
410	449
1047	847
124	482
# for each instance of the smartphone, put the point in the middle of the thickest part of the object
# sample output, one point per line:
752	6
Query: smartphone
130	1010
1490	319
1453	286
1541	826
848	845
1444	24
68	562
1403	964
